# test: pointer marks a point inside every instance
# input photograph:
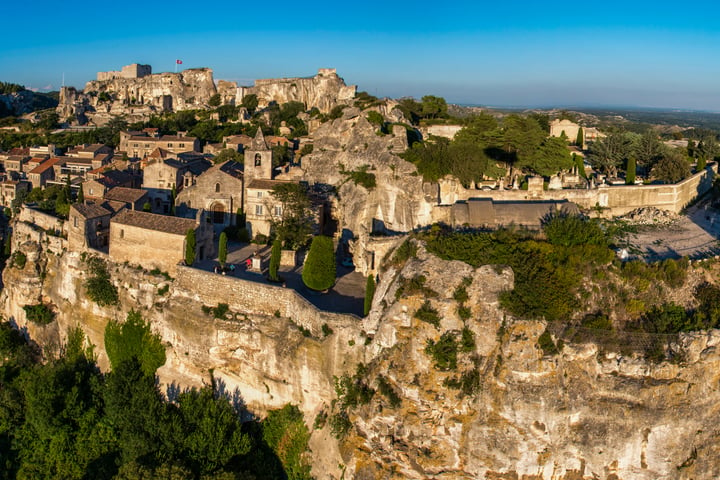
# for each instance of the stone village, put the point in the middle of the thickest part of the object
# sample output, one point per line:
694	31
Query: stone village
130	192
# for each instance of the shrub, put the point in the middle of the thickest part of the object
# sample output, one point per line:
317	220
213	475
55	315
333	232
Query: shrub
468	383
388	392
99	287
428	314
340	424
353	391
326	330
221	310
134	339
164	289
464	312
285	433
40	314
319	270
19	260
570	230
369	294
414	286
444	351
404	252
547	345
467	340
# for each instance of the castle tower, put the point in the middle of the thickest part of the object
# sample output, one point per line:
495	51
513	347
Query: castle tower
258	159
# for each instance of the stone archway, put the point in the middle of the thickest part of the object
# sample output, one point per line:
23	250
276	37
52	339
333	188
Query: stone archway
218	212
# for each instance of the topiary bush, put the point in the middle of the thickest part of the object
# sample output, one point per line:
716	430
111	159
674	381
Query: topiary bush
320	270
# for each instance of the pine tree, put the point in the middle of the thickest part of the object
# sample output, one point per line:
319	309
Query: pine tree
190	244
222	249
630	173
275	261
369	293
580	139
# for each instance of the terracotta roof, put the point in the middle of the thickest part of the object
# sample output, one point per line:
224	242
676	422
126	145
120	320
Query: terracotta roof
263	184
152	221
124	194
45	165
91	210
19	151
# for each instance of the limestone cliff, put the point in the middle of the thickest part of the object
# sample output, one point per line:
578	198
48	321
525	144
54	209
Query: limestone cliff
505	411
323	91
140	97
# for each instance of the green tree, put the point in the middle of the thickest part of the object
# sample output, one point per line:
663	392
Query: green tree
134	339
228	154
671	168
81	195
608	153
275	260
190	244
551	157
630	171
173	196
648	149
294	224
580	165
433	107
147	207
222	249
215	100
250	102
285	433
369	293
701	164
320	269
580	139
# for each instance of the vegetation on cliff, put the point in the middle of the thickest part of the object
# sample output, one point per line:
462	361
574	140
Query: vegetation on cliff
65	419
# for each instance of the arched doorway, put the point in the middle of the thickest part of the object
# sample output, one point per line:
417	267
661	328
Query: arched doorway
218	212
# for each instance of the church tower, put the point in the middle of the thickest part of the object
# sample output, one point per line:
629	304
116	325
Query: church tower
258	159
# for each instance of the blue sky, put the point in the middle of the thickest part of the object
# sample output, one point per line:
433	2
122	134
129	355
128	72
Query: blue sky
633	53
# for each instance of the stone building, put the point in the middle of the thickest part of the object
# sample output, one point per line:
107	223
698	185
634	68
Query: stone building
160	177
157	241
558	127
43	173
10	189
88	226
140	144
131	198
97	188
219	190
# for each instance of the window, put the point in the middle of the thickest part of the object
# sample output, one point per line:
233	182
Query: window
181	145
217	188
278	211
258	159
74	221
258	209
259	194
122	233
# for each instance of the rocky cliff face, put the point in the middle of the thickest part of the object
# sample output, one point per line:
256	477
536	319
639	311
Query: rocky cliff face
323	91
24	101
139	97
504	411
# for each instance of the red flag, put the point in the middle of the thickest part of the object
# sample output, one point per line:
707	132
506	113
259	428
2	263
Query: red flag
179	62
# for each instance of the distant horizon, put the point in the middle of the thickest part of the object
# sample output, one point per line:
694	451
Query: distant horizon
515	53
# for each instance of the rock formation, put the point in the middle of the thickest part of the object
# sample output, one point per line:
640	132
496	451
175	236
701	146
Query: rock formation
323	91
580	414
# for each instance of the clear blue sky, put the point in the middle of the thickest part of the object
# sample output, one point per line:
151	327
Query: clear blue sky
638	53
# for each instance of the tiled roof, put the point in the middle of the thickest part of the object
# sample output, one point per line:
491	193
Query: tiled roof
124	194
152	221
46	165
91	210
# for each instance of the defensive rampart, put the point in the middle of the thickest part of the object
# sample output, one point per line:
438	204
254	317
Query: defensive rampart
257	298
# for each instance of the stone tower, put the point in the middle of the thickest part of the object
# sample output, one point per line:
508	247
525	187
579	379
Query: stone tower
258	159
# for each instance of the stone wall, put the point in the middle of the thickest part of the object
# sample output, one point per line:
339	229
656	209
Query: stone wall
257	298
617	200
148	248
24	232
42	220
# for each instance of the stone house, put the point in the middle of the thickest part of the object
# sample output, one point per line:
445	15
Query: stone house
15	163
88	226
9	190
161	176
131	198
140	144
238	142
43	173
218	190
157	241
98	187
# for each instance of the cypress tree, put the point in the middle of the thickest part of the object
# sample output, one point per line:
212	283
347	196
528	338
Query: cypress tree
275	261
701	164
580	164
190	244
580	139
172	201
630	173
320	270
81	195
222	249
369	293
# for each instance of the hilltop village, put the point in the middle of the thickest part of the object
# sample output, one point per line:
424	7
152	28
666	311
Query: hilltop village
508	298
